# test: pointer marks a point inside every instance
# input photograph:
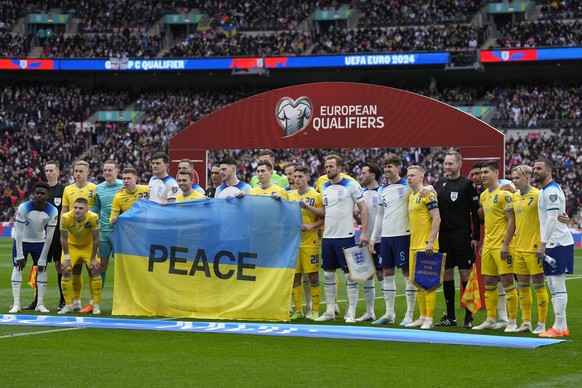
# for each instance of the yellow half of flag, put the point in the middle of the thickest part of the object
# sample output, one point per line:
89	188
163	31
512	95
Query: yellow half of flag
472	296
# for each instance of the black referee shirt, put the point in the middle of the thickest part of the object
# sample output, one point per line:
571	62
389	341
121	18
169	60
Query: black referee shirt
458	205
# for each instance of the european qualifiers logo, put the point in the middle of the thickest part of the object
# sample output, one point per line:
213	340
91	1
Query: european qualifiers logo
294	115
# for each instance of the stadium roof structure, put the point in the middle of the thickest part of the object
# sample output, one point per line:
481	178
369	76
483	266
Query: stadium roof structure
338	115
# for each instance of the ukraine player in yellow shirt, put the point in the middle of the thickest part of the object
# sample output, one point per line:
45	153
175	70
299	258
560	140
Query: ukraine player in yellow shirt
82	188
308	261
425	221
496	260
185	179
266	187
126	197
80	240
527	240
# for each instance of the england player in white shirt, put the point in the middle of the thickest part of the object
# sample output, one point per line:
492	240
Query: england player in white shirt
340	195
36	221
163	188
392	229
369	177
557	243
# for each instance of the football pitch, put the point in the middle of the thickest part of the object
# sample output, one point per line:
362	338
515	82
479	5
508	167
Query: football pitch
63	357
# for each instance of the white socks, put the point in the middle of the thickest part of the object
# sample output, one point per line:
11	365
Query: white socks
329	289
557	284
369	295
41	280
352	288
389	291
410	298
16	285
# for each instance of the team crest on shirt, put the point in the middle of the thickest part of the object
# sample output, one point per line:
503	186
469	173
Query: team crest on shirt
508	198
401	191
553	197
57	201
454	195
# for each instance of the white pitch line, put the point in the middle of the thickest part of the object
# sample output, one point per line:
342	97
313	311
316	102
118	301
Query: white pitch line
38	332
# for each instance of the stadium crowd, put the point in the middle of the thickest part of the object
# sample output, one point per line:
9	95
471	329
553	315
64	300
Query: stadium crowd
553	9
417	38
101	45
420	26
527	105
545	33
377	13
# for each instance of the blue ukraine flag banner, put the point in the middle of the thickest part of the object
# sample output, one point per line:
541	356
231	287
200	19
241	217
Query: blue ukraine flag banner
230	258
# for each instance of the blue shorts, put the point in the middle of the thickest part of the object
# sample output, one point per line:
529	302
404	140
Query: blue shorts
394	252
32	249
564	256
105	245
376	257
332	252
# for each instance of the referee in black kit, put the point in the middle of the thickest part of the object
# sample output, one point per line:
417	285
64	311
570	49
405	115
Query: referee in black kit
458	204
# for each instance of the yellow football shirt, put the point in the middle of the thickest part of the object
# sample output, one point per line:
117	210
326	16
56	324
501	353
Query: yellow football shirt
309	238
268	191
80	232
124	200
193	195
527	221
420	220
72	192
495	203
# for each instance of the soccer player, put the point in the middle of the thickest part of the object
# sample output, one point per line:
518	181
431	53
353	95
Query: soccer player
132	192
290	174
369	177
266	187
476	177
308	260
501	304
187	164
459	236
324	178
392	229
556	243
215	181
232	186
52	172
188	193
425	221
279	180
496	260
340	195
527	239
80	189
105	193
35	225
162	187
80	240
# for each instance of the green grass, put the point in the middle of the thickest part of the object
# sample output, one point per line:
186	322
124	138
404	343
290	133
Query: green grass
91	357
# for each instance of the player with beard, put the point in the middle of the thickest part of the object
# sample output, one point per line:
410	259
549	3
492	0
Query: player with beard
556	243
340	195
